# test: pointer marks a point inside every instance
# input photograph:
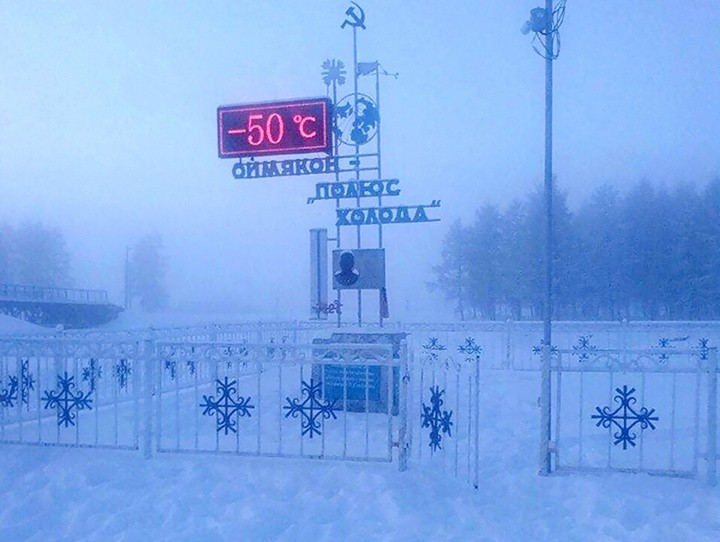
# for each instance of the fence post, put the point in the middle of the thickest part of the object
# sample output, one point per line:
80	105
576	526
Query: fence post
508	344
476	482
149	359
403	442
712	455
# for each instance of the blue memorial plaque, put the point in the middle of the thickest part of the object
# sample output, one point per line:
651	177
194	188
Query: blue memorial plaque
356	388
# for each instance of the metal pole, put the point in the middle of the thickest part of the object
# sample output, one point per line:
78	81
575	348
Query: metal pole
545	429
712	454
128	296
357	160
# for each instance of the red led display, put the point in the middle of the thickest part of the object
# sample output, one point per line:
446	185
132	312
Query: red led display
288	127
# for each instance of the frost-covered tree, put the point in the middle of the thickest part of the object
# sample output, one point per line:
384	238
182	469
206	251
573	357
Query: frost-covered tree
147	270
650	253
38	256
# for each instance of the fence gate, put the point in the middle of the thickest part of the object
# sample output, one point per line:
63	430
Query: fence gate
330	401
444	412
652	411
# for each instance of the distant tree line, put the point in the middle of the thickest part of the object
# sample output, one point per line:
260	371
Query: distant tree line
35	255
652	253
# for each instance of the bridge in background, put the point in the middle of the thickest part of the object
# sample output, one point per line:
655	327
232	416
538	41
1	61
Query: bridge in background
70	307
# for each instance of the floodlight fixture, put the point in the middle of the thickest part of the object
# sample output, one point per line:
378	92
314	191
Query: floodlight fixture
538	21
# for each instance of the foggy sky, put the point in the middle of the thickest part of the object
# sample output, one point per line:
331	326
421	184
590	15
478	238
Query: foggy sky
108	129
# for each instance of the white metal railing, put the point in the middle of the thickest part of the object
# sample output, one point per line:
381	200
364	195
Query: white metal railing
42	294
69	393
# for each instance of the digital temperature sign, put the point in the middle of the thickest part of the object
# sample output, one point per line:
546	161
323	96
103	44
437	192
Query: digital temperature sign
287	127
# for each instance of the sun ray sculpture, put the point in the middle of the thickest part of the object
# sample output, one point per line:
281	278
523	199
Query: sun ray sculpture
436	419
624	418
226	408
67	402
311	410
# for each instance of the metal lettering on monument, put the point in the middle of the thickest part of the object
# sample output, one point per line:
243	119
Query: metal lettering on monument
402	214
355	189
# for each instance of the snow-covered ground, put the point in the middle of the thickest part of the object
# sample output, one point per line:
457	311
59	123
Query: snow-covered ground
80	494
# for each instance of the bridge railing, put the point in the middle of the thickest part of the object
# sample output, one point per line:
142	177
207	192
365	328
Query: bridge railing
17	292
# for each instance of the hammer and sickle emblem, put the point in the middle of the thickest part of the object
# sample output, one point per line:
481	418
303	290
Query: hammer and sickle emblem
354	20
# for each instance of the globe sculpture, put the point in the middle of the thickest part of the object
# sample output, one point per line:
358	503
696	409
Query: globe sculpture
356	126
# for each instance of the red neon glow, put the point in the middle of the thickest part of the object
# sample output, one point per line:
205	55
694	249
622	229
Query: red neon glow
280	131
300	121
274	128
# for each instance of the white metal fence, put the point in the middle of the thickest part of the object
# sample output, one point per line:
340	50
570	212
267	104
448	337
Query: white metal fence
287	400
69	393
635	411
264	389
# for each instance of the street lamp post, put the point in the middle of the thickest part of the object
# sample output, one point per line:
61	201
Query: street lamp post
545	23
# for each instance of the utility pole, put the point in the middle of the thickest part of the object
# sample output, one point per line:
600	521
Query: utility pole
128	294
545	23
545	465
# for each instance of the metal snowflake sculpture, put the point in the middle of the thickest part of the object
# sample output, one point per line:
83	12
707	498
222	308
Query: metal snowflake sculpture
583	348
122	370
438	420
66	401
311	410
92	373
226	408
470	348
432	348
333	71
8	395
624	418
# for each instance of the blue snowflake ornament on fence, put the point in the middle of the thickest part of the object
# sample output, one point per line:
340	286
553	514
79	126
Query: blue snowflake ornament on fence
66	401
171	367
624	418
92	373
191	367
311	409
27	381
583	348
438	420
537	350
122	371
8	395
470	348
226	408
704	349
432	348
